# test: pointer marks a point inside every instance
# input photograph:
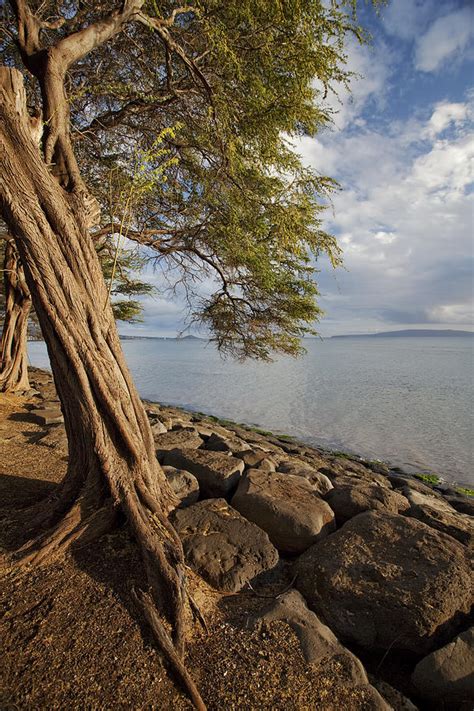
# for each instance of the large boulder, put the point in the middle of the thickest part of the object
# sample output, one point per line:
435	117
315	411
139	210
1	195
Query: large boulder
395	699
349	500
286	507
385	580
400	481
447	675
183	484
218	443
320	483
217	473
342	472
321	649
223	547
157	427
252	458
438	513
463	504
175	439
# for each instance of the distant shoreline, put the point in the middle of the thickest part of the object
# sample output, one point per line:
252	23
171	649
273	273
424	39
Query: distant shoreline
407	333
413	333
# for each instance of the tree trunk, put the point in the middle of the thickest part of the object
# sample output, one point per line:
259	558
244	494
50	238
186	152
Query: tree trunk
13	347
112	462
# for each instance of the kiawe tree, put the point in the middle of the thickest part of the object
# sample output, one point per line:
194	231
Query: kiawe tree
210	95
16	308
120	267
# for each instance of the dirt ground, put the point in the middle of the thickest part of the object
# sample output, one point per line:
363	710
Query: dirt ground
72	637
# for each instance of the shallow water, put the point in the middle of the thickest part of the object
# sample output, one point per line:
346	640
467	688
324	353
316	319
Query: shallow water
404	400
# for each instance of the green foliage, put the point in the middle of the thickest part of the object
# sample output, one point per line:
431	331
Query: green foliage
464	490
428	478
207	100
119	270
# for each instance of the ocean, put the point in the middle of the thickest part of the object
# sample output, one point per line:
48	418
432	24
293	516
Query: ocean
407	400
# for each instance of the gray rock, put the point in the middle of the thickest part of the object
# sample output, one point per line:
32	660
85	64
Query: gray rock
151	408
266	465
183	426
396	700
157	427
286	507
399	481
294	466
385	580
184	485
223	547
354	474
251	457
463	504
54	405
320	483
349	500
439	514
448	673
176	439
217	473
203	430
321	648
47	417
218	443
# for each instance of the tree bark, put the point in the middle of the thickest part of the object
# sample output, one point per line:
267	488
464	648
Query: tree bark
13	346
112	462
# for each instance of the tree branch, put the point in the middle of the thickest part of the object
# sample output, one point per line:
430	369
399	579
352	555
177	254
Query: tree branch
76	46
160	27
29	28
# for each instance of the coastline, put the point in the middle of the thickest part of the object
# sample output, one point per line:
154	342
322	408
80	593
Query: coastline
388	417
370	562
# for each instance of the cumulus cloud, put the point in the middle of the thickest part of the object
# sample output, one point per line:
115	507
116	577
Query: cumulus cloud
445	39
445	115
404	221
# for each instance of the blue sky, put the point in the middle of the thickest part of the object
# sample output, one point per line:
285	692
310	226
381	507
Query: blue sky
402	147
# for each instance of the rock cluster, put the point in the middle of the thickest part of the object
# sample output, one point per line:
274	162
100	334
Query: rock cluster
381	560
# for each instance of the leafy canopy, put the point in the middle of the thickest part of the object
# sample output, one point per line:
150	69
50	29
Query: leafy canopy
212	95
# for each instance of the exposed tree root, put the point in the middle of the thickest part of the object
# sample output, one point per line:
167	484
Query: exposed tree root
163	639
13	353
162	554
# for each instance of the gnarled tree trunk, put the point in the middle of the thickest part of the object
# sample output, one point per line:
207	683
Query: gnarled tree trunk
13	347
112	462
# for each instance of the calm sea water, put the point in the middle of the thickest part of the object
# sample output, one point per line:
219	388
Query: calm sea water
408	401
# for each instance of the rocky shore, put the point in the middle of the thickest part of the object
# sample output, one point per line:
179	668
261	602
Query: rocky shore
369	568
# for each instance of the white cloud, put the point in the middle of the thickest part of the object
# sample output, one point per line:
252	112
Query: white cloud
447	169
447	36
404	220
446	114
453	313
385	237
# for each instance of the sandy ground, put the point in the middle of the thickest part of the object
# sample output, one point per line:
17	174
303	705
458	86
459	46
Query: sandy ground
72	637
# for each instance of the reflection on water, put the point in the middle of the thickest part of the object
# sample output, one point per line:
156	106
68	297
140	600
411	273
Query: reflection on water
405	400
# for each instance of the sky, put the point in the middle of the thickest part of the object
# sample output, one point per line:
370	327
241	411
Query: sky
402	149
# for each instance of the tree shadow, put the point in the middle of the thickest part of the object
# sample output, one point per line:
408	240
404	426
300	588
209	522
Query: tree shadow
17	495
114	561
29	417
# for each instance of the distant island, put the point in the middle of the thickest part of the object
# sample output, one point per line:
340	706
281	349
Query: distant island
418	332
